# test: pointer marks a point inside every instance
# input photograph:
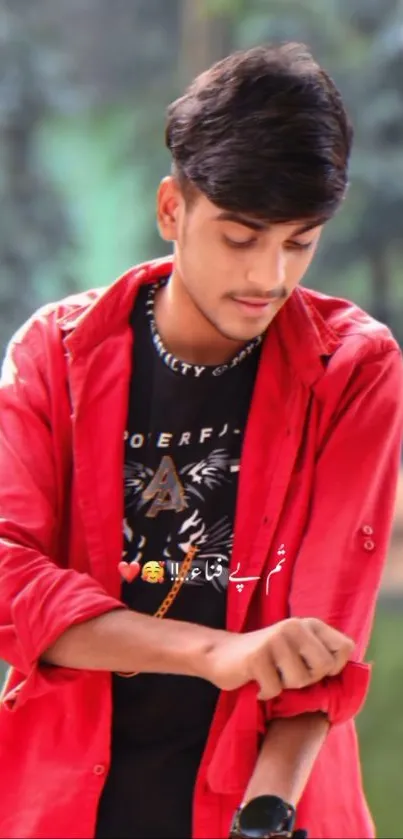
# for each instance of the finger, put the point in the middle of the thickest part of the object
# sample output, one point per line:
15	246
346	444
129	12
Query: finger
267	678
339	645
291	667
318	659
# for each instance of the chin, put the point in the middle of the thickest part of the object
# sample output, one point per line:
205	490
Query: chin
242	335
238	330
242	329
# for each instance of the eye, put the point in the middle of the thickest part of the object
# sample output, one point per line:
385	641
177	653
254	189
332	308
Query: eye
299	246
240	243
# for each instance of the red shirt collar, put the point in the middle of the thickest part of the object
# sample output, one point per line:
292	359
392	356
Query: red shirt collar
306	337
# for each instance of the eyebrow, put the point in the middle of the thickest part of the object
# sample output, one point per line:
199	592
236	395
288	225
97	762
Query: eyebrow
310	226
259	226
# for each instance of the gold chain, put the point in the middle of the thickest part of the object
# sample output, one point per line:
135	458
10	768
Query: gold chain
171	596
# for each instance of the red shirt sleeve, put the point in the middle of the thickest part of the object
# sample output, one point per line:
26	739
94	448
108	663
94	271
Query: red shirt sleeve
340	562
39	600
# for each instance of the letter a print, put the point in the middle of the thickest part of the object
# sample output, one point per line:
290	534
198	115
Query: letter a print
166	490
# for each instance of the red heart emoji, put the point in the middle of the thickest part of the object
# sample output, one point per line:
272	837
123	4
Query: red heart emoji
129	570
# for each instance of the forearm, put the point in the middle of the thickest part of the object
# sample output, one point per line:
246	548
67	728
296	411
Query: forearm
126	641
287	757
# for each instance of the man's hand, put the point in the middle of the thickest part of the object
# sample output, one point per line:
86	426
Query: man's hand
291	654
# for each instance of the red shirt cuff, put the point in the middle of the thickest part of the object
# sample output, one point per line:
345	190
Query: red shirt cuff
339	697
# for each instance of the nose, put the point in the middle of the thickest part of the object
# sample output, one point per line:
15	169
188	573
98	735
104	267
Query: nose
268	272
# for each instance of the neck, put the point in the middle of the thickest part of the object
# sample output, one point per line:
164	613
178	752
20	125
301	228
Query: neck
184	330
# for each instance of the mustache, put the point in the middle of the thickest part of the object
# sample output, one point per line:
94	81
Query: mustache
263	297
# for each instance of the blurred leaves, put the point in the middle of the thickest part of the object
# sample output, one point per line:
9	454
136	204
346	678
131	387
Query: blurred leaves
230	7
34	230
67	59
67	68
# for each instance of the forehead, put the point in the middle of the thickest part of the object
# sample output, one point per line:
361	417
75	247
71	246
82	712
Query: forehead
204	209
207	211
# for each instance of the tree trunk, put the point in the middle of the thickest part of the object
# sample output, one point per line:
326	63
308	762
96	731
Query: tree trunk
380	285
205	38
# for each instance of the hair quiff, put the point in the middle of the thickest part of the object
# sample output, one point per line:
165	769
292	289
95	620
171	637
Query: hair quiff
263	132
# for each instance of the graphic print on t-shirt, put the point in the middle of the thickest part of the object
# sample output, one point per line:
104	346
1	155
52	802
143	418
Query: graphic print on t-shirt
189	501
182	452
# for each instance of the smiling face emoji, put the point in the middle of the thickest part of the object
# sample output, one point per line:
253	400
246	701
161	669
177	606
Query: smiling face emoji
153	572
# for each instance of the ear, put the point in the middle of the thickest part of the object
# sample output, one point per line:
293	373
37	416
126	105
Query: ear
169	203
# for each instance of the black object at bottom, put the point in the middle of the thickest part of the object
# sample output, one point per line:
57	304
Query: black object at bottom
262	817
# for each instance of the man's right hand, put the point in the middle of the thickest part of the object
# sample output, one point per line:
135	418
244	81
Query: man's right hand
290	654
294	653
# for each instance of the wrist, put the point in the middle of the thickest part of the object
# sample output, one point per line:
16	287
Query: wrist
177	647
202	659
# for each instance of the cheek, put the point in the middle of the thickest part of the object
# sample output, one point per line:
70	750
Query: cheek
205	268
297	268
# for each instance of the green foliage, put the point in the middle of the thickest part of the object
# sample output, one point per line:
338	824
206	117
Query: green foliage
34	232
104	193
67	223
226	7
380	725
82	121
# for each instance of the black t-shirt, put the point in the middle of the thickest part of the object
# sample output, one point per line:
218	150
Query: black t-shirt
182	451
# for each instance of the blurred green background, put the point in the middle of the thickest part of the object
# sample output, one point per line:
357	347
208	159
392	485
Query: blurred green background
83	88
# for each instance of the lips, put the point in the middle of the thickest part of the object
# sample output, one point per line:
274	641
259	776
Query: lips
252	306
252	301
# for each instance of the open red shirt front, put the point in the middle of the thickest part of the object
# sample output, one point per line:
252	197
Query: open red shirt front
315	505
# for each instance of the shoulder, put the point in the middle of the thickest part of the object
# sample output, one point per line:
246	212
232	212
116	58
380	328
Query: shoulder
38	343
113	302
365	366
54	315
62	315
358	338
349	323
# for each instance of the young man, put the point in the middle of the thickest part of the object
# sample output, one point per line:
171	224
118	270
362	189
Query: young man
198	676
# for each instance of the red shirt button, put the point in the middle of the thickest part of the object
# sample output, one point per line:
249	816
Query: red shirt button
367	530
369	545
99	769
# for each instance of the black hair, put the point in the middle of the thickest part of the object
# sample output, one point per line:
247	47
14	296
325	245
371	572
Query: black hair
263	132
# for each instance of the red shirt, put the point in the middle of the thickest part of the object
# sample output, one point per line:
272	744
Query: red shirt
315	504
